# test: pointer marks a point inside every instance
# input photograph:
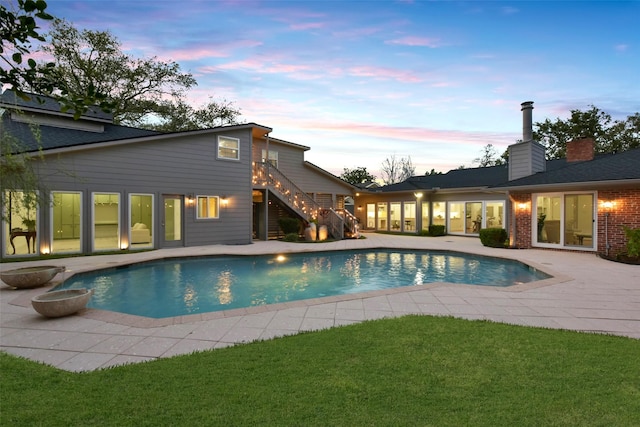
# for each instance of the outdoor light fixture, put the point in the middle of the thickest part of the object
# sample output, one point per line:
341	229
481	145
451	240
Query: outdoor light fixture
522	206
359	207
418	195
224	201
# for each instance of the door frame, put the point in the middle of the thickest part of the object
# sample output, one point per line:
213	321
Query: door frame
176	243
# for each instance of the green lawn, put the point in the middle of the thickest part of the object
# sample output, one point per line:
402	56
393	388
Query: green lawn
411	371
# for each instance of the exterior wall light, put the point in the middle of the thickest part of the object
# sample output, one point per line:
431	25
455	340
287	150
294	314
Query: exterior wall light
522	206
224	201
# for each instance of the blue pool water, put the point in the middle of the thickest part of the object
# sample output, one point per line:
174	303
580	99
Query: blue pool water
176	287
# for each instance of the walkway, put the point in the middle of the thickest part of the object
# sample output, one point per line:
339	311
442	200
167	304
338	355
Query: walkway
586	294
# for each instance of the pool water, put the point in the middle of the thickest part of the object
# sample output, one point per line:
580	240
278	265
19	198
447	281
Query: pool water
183	286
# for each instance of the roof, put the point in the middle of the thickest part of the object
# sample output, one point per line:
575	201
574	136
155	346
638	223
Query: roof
50	137
623	166
454	179
48	105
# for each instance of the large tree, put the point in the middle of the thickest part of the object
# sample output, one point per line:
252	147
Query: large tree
397	170
19	31
144	92
356	176
610	136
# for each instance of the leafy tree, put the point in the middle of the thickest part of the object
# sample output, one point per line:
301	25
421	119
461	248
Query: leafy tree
19	30
609	135
356	176
137	87
145	93
180	116
397	170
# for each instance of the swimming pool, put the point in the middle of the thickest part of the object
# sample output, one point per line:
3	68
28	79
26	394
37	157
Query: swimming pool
182	286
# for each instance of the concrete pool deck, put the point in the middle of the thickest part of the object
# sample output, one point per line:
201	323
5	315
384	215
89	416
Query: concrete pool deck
586	294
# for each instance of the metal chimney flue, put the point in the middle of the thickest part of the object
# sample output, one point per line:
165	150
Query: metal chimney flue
527	121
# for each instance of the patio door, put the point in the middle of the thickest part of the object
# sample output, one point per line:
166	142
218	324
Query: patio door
172	221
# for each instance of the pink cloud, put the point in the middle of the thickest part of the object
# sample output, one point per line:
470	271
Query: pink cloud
307	26
415	41
385	73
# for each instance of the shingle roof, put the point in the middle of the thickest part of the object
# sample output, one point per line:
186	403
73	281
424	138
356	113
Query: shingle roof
46	104
607	167
456	178
50	137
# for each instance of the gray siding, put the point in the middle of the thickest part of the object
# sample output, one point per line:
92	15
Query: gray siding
526	158
184	165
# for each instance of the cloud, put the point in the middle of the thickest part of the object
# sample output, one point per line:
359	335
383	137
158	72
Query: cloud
415	41
621	47
403	76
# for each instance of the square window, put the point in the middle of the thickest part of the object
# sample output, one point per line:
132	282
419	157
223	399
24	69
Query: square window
208	207
228	148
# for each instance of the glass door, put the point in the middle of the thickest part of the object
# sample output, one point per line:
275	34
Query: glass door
578	220
172	221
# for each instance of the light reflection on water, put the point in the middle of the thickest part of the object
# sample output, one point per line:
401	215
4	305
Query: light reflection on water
198	285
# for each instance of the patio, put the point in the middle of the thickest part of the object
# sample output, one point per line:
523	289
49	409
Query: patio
586	294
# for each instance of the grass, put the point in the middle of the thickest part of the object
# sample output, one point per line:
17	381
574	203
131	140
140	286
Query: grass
416	370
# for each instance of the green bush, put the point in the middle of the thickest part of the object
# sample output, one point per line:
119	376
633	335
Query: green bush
437	230
423	232
289	225
291	237
494	237
633	241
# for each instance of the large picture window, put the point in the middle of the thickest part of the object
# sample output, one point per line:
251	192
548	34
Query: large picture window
228	148
21	225
208	207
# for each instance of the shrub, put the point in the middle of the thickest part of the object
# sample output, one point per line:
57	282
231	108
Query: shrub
289	225
437	230
291	237
633	241
494	237
423	232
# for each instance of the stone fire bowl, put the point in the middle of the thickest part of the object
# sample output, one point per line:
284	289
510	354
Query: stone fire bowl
61	303
30	277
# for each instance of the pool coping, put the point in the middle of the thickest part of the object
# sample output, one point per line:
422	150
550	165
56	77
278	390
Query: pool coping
24	299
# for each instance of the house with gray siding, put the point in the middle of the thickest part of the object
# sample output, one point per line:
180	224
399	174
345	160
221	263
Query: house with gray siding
105	187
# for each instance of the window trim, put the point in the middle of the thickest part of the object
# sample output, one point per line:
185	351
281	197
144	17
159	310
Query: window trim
217	198
222	139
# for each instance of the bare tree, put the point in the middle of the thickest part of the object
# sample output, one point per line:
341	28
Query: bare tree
489	157
397	170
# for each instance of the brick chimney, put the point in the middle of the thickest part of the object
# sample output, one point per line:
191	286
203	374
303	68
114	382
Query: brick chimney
580	150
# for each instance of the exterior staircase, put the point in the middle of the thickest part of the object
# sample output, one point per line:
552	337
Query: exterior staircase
339	223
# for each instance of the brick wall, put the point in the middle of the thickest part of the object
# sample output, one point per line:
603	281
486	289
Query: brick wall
625	210
522	212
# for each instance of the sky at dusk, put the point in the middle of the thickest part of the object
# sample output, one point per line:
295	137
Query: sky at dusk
360	81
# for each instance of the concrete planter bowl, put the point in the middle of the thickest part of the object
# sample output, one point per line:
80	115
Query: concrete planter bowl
61	303
30	277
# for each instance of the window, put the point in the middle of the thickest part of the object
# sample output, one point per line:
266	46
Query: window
208	207
228	148
273	157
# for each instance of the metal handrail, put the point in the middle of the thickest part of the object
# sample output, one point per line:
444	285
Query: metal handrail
267	175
